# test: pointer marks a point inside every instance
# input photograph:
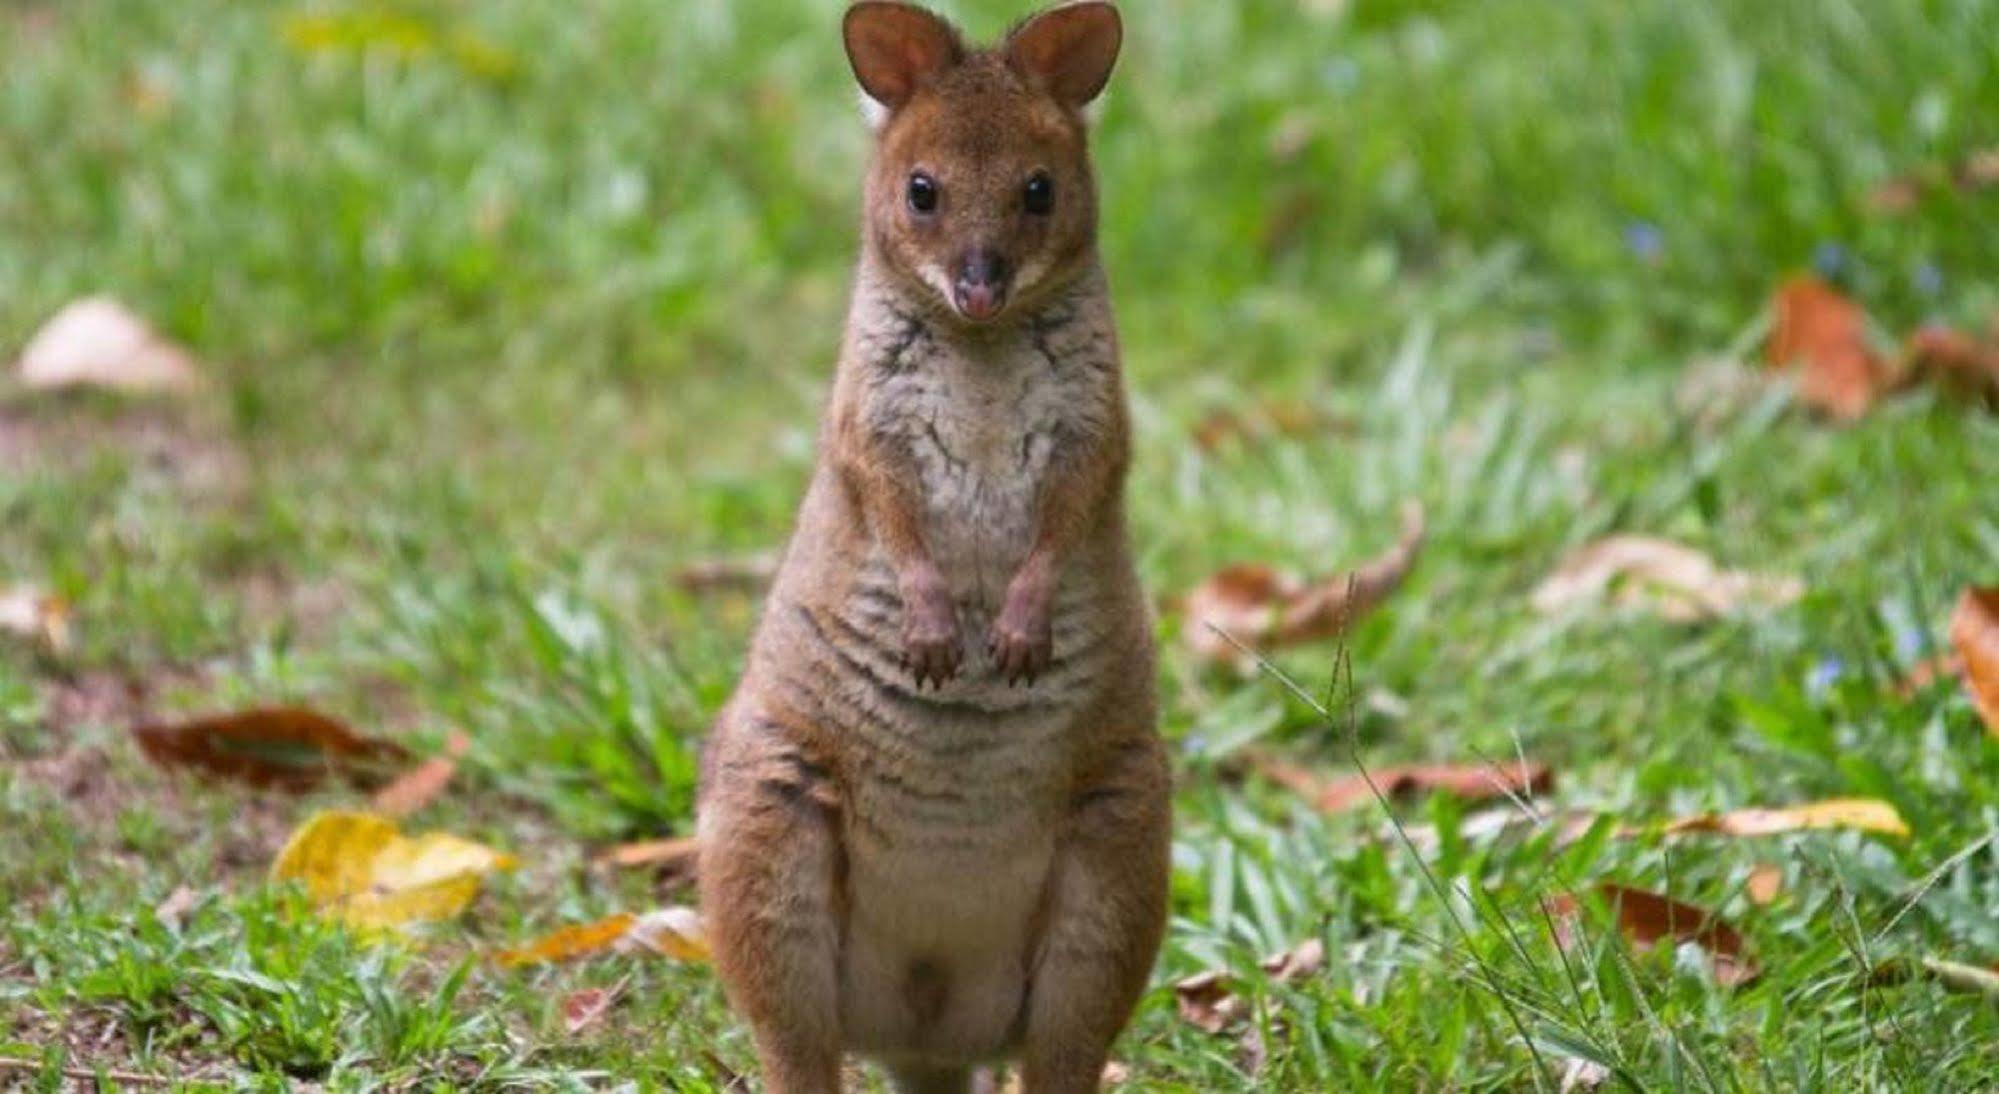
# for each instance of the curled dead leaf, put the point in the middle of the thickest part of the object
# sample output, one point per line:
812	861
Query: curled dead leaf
1297	963
585	1007
1267	610
1819	332
1974	632
419	786
1468	782
1646	919
571	942
287	747
675	855
1206	1003
96	342
1864	814
358	868
1659	576
175	907
36	615
1957	361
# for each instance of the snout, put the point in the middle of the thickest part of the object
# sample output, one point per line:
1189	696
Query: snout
979	289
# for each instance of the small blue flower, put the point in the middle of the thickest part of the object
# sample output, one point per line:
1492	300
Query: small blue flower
1830	259
1824	674
1643	238
1194	744
1928	278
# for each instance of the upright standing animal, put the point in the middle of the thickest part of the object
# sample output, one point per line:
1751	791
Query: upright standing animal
934	816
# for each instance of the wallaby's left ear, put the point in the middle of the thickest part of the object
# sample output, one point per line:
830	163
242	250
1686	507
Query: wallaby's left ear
1070	49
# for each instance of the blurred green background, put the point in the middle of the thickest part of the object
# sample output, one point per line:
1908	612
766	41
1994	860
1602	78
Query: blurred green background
515	308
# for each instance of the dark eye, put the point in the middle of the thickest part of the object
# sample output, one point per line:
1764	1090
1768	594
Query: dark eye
922	193
1040	194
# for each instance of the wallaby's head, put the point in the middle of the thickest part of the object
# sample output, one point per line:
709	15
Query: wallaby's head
980	190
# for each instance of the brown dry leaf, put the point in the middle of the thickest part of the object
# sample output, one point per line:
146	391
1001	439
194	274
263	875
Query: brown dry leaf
36	615
674	855
1819	331
1865	814
1296	963
1900	194
571	942
1659	576
1956	360
176	906
420	785
1765	882
1268	610
1974	631
1581	1074
96	342
287	747
359	869
1646	918
585	1007
747	573
1205	1002
1468	782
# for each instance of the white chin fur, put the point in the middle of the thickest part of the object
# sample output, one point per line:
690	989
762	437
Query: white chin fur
872	111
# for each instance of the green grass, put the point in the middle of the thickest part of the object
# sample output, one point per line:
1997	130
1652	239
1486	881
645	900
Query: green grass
510	322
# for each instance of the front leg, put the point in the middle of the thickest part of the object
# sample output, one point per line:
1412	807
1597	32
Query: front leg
1081	483
883	489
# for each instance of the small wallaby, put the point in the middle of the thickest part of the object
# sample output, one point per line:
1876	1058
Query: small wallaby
934	816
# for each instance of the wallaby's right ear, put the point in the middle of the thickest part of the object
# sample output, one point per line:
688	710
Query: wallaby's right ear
894	47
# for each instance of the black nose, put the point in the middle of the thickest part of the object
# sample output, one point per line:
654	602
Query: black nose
980	287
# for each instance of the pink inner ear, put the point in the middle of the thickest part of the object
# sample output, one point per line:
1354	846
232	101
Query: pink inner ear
894	47
1071	49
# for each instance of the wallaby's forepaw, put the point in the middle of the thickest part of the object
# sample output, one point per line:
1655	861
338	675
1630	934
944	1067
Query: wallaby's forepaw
930	634
1021	644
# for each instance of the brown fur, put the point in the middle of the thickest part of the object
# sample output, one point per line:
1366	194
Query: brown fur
934	816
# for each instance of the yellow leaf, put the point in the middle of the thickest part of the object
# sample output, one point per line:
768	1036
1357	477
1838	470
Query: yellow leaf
359	869
674	932
1866	814
575	940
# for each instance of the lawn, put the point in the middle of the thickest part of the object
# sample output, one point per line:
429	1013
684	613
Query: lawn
509	311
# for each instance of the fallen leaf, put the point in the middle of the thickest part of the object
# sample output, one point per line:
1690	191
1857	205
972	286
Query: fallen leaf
1205	1002
1647	918
1765	882
571	942
1296	963
96	342
288	747
1900	194
1865	814
1659	576
1581	1074
420	785
586	1007
675	855
1468	782
1823	334
1115	1074
1265	609
1974	631
674	932
36	615
746	573
357	868
176	906
1956	360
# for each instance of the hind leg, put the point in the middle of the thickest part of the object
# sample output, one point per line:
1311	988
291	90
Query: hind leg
1107	912
769	876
